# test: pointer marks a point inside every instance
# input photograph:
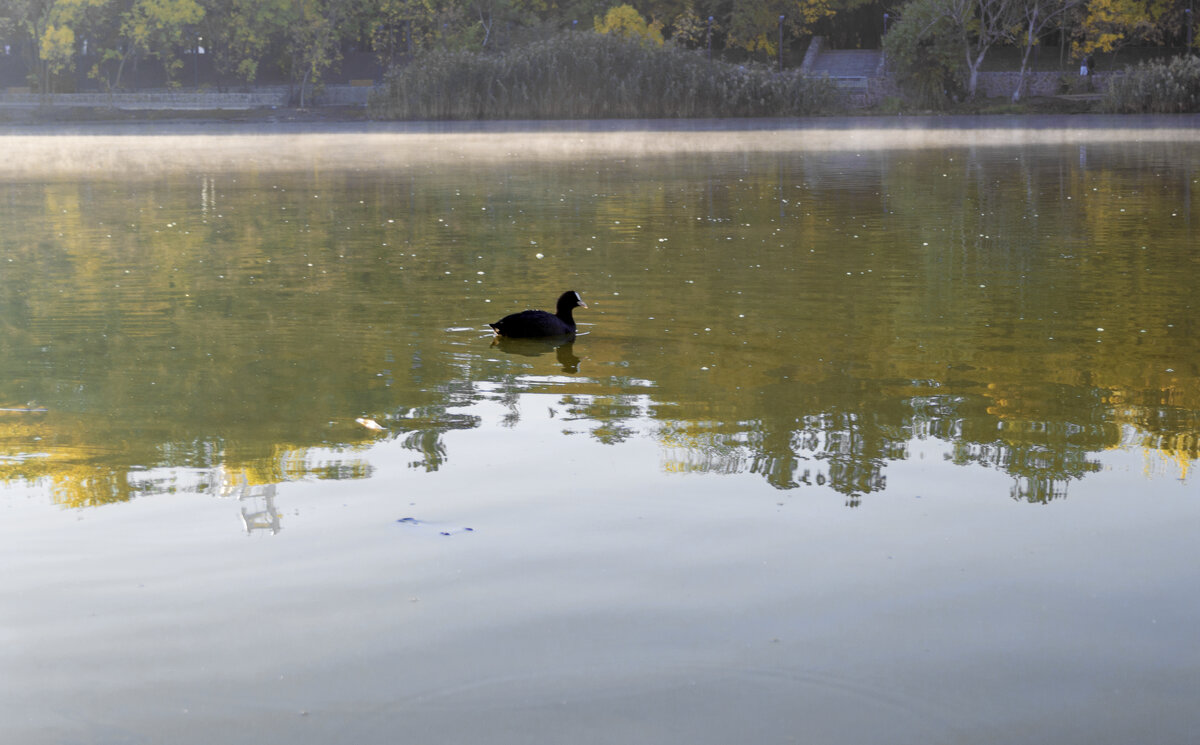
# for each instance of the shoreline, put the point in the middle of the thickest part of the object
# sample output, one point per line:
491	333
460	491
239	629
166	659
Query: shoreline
351	118
348	110
17	116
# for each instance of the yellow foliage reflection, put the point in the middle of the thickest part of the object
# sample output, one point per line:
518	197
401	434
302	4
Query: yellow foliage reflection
802	314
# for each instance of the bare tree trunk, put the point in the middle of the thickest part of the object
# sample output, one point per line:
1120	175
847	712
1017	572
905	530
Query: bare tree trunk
486	22
1029	40
120	70
973	66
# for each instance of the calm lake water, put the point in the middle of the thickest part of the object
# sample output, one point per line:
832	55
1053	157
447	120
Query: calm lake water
869	435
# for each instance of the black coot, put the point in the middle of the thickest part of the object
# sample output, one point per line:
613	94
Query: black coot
529	324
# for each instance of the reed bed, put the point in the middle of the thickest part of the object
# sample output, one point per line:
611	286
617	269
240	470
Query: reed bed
593	76
1171	87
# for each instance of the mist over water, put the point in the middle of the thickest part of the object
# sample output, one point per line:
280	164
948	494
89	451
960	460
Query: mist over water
870	433
128	150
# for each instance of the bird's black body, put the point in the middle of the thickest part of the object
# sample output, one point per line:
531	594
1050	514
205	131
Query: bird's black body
530	324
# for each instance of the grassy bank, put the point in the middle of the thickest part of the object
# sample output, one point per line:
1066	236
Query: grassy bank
592	76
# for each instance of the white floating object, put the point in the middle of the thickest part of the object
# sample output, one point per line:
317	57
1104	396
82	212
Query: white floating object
370	424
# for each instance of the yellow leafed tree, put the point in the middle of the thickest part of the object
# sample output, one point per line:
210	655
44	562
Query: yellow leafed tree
57	48
624	20
1105	25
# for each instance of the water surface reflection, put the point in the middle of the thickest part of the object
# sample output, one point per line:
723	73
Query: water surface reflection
808	315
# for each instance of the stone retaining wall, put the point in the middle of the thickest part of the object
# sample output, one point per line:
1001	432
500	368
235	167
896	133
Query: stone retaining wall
1002	84
874	90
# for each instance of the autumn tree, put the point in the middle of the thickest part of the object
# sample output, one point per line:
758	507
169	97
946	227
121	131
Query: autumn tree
690	29
624	20
1105	25
146	28
57	50
48	27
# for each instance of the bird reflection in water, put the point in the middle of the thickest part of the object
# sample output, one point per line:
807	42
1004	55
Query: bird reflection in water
562	346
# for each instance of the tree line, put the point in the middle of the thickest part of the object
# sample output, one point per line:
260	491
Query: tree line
304	39
938	47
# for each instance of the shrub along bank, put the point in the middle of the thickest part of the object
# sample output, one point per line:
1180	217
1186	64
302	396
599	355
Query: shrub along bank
1171	87
593	76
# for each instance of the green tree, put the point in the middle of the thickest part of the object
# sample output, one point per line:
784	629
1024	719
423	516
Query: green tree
147	28
489	16
245	35
157	27
390	30
974	26
315	32
312	37
922	54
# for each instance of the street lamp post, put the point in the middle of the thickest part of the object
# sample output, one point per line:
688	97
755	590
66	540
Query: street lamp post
708	37
781	43
1187	13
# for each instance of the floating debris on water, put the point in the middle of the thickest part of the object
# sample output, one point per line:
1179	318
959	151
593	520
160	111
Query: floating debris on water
370	424
441	529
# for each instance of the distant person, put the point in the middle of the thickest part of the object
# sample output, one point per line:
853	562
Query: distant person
1090	63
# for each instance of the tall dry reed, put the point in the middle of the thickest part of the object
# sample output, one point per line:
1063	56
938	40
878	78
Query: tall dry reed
1171	87
583	75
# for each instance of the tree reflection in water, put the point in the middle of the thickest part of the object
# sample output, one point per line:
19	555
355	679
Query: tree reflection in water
807	317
